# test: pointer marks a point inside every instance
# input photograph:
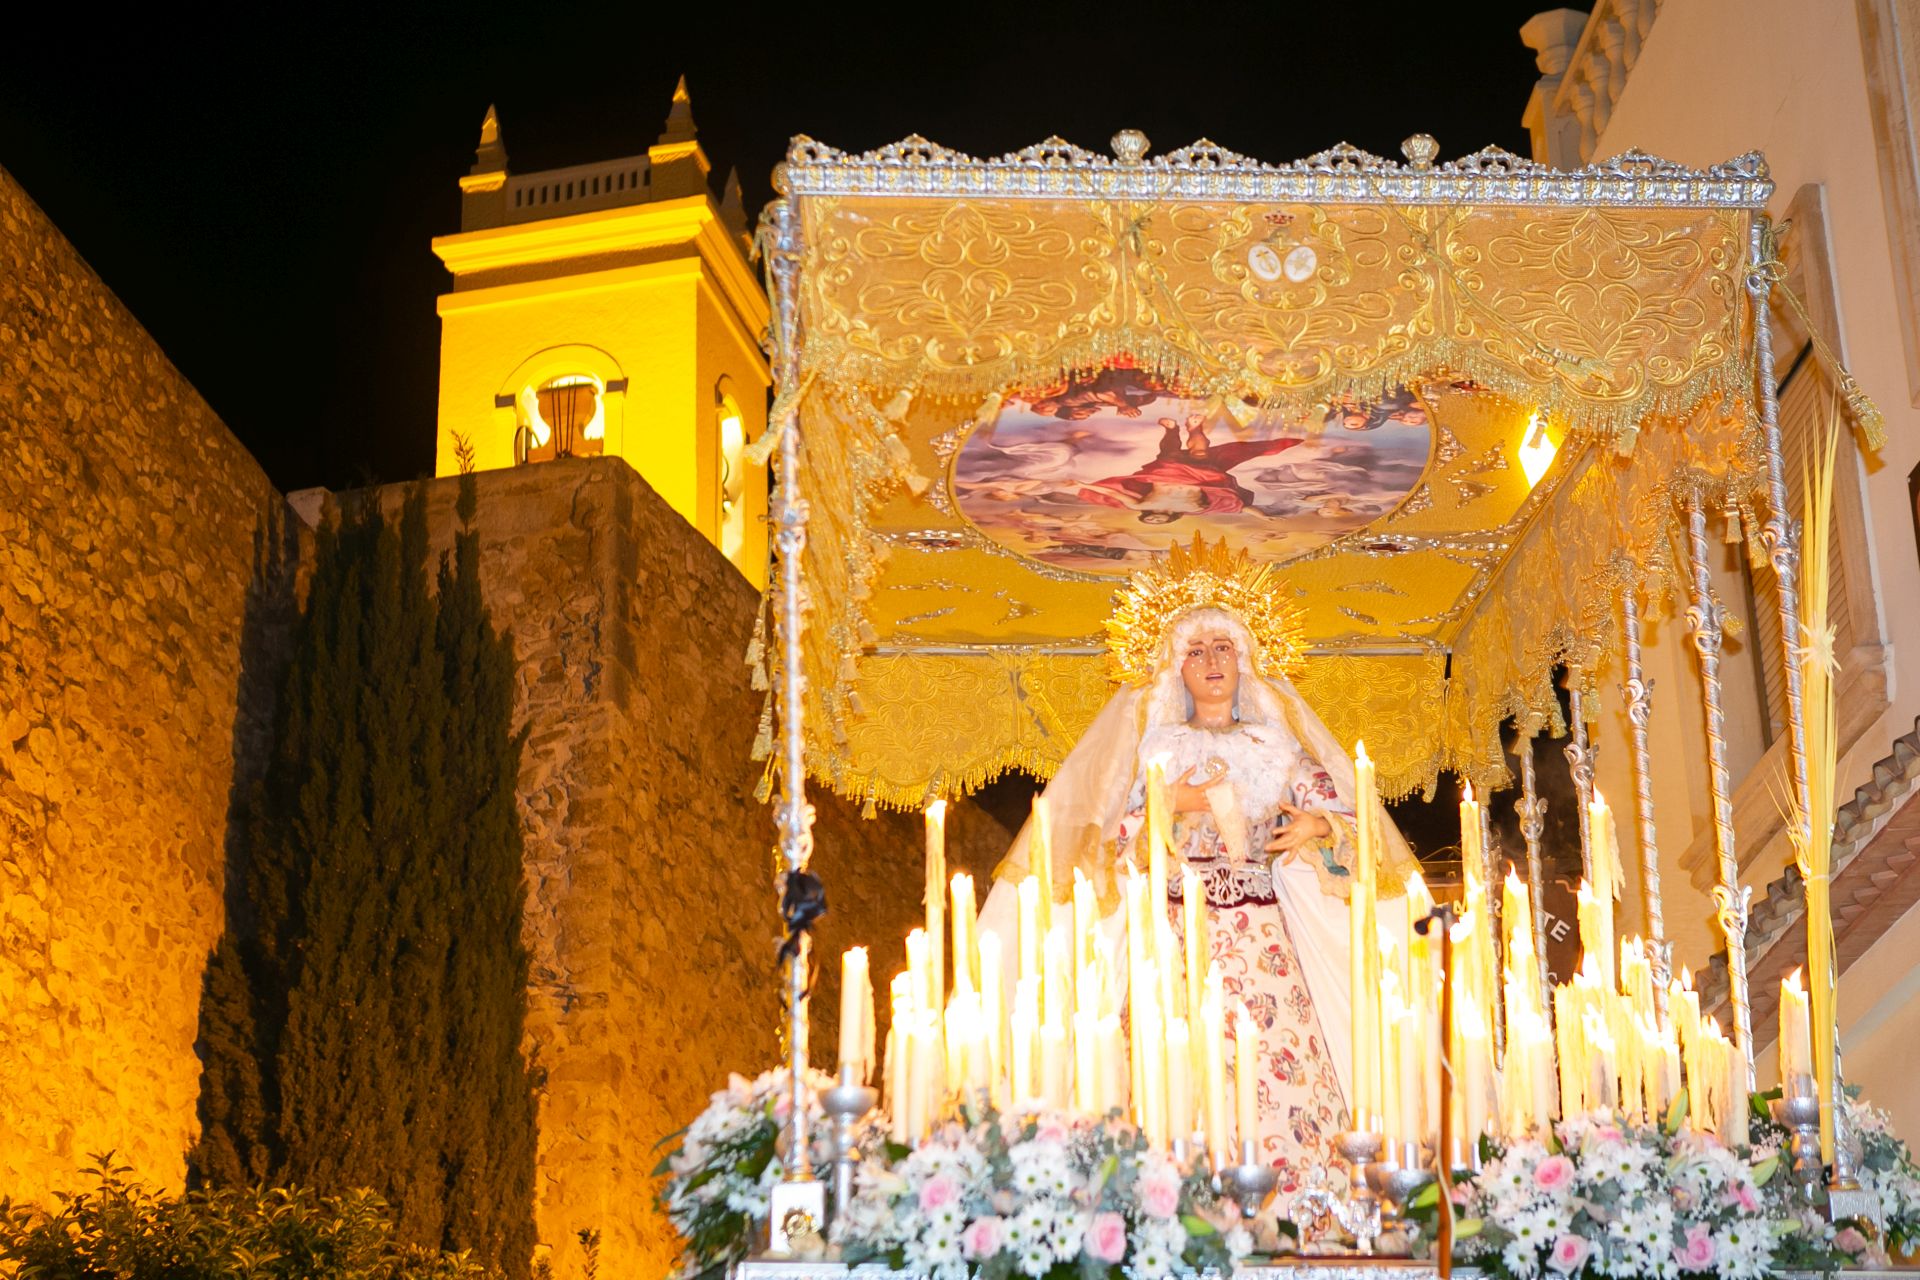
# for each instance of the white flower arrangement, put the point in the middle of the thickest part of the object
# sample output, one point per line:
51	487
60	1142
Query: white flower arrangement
1021	1193
721	1172
1618	1201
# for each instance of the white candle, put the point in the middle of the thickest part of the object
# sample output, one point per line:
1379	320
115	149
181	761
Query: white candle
1040	858
1055	1066
992	1006
937	899
1213	1029
1113	1060
1030	942
966	940
1245	1081
1087	1076
1179	1079
1022	1087
856	1013
1796	1045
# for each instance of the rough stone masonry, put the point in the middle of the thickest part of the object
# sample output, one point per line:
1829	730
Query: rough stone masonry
147	577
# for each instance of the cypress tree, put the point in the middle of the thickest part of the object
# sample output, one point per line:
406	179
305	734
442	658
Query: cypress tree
491	1143
360	1063
364	1029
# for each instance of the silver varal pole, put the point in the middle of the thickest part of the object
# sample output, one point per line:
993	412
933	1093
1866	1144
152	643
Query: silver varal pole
1704	618
794	816
1638	693
1580	762
1533	824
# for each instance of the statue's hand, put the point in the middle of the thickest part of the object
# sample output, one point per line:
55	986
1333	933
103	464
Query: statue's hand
1303	832
1186	797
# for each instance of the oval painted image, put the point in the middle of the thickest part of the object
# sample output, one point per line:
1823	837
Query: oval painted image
1102	473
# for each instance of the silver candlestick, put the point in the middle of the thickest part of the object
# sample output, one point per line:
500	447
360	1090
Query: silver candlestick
1251	1181
1361	1219
847	1104
1396	1178
1798	1110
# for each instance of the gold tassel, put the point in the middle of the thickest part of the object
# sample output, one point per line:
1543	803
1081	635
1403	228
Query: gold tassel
757	646
763	735
869	810
1732	534
989	411
897	407
1244	410
849	669
1865	413
1625	440
763	790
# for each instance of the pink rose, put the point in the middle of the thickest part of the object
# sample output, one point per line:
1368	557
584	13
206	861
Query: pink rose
1697	1253
938	1192
1741	1194
982	1238
1553	1173
1609	1133
1849	1240
1106	1239
1051	1130
1569	1254
1160	1192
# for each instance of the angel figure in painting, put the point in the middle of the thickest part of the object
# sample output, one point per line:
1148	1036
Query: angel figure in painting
1262	799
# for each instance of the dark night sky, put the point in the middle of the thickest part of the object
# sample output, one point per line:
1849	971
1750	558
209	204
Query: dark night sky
262	197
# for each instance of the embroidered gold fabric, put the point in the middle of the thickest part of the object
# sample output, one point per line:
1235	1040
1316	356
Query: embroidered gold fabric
936	658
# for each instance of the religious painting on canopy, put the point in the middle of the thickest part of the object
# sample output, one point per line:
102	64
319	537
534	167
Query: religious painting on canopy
1102	471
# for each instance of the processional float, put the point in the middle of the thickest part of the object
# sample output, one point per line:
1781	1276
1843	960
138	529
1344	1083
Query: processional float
1586	352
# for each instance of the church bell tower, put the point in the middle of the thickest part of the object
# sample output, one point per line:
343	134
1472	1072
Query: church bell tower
610	308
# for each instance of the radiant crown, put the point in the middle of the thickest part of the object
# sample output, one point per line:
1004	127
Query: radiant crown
1203	576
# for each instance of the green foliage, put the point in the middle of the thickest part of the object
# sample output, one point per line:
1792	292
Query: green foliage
120	1230
490	1141
362	1028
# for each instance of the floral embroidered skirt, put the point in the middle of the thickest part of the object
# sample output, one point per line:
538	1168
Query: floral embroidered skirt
1301	1103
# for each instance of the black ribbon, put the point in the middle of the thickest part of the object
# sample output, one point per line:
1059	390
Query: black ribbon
802	903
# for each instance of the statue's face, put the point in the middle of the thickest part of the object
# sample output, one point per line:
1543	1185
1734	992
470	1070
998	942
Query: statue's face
1211	667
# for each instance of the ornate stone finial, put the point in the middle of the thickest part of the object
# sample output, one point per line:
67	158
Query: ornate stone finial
680	127
733	205
1420	150
491	155
1130	145
780	179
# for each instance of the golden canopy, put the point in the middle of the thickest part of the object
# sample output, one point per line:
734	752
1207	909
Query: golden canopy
1450	401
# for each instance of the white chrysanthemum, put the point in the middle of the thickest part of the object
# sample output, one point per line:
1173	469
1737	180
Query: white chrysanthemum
1151	1261
1239	1242
1521	1258
1742	1251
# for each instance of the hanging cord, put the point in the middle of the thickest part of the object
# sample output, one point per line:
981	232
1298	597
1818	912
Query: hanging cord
1860	406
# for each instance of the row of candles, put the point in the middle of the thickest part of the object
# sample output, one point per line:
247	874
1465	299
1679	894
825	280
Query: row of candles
1058	1041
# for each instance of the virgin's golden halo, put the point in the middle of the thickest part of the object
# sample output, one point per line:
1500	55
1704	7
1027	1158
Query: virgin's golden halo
1203	576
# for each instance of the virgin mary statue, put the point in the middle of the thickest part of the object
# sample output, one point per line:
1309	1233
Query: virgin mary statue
1263	811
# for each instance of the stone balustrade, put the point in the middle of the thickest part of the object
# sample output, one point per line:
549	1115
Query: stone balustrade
1584	60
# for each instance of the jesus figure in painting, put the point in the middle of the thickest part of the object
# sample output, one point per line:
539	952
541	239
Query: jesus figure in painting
1263	812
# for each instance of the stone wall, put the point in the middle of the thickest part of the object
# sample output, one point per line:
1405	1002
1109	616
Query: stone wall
144	596
651	915
136	544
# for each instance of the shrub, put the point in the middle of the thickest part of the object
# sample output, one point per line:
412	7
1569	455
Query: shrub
121	1230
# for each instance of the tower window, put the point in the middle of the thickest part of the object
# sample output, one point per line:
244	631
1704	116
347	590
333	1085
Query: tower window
563	417
733	473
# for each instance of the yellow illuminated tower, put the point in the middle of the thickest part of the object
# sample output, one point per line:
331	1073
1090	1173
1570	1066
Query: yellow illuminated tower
610	309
